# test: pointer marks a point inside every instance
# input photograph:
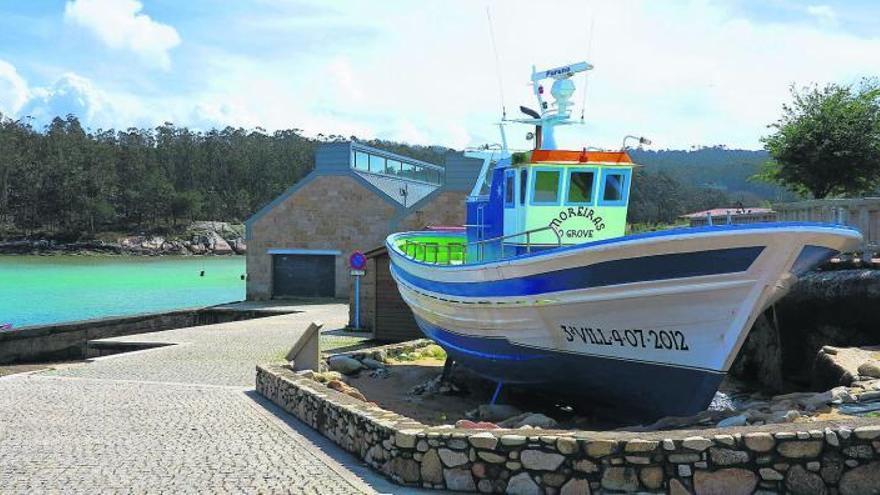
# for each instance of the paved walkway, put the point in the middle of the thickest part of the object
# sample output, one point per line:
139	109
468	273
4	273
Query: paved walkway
176	419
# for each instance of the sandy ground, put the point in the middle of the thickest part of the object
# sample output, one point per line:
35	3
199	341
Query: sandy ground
392	392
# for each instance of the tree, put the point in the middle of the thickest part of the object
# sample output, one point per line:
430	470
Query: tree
827	141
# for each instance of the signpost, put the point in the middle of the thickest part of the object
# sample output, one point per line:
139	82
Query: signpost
358	263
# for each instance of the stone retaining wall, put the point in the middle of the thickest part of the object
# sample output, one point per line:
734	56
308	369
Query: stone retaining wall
69	340
828	457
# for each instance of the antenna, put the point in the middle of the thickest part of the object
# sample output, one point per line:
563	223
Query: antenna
587	73
497	64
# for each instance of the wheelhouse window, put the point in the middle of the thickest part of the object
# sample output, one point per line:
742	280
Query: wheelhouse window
523	182
580	186
545	186
509	188
614	187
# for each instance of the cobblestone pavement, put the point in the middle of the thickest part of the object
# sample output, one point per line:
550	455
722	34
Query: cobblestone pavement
177	419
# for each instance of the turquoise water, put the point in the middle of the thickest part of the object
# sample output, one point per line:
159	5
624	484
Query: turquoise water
51	289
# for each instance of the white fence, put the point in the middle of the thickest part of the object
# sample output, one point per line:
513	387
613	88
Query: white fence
861	213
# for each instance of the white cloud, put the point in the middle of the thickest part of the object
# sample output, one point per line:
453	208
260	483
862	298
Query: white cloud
823	13
13	89
69	94
120	25
683	74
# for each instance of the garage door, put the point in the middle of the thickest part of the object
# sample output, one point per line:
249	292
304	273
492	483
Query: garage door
303	275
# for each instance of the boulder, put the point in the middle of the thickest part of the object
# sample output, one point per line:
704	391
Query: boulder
624	479
431	468
739	420
239	246
870	368
535	420
218	244
344	364
459	479
730	481
539	460
760	359
372	363
523	484
861	480
799	480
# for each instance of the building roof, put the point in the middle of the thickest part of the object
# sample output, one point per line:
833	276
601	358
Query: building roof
723	212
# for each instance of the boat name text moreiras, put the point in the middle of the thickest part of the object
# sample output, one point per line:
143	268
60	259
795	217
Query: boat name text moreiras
572	212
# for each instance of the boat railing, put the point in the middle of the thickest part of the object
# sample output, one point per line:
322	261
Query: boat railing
455	253
500	240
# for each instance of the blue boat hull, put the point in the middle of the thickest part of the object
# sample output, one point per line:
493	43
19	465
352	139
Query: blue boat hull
644	390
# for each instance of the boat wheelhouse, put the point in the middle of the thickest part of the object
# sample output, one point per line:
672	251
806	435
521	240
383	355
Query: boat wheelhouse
545	289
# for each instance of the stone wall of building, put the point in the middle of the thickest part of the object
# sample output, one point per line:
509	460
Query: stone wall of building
330	212
445	208
831	457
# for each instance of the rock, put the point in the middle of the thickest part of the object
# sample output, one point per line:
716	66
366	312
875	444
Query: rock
867	432
739	420
640	446
484	440
696	443
566	445
870	368
760	359
406	469
576	486
624	479
677	488
479	469
491	457
601	448
512	440
372	363
528	419
452	458
800	481
652	477
405	439
431	468
859	451
346	389
728	457
496	412
832	467
585	466
239	246
729	481
459	480
770	474
540	460
861	480
467	424
800	450
344	364
523	484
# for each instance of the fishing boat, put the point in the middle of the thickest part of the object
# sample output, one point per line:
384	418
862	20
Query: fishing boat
544	288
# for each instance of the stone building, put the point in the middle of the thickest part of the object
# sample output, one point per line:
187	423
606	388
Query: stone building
298	245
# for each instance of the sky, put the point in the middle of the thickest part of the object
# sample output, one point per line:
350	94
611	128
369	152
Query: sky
682	73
